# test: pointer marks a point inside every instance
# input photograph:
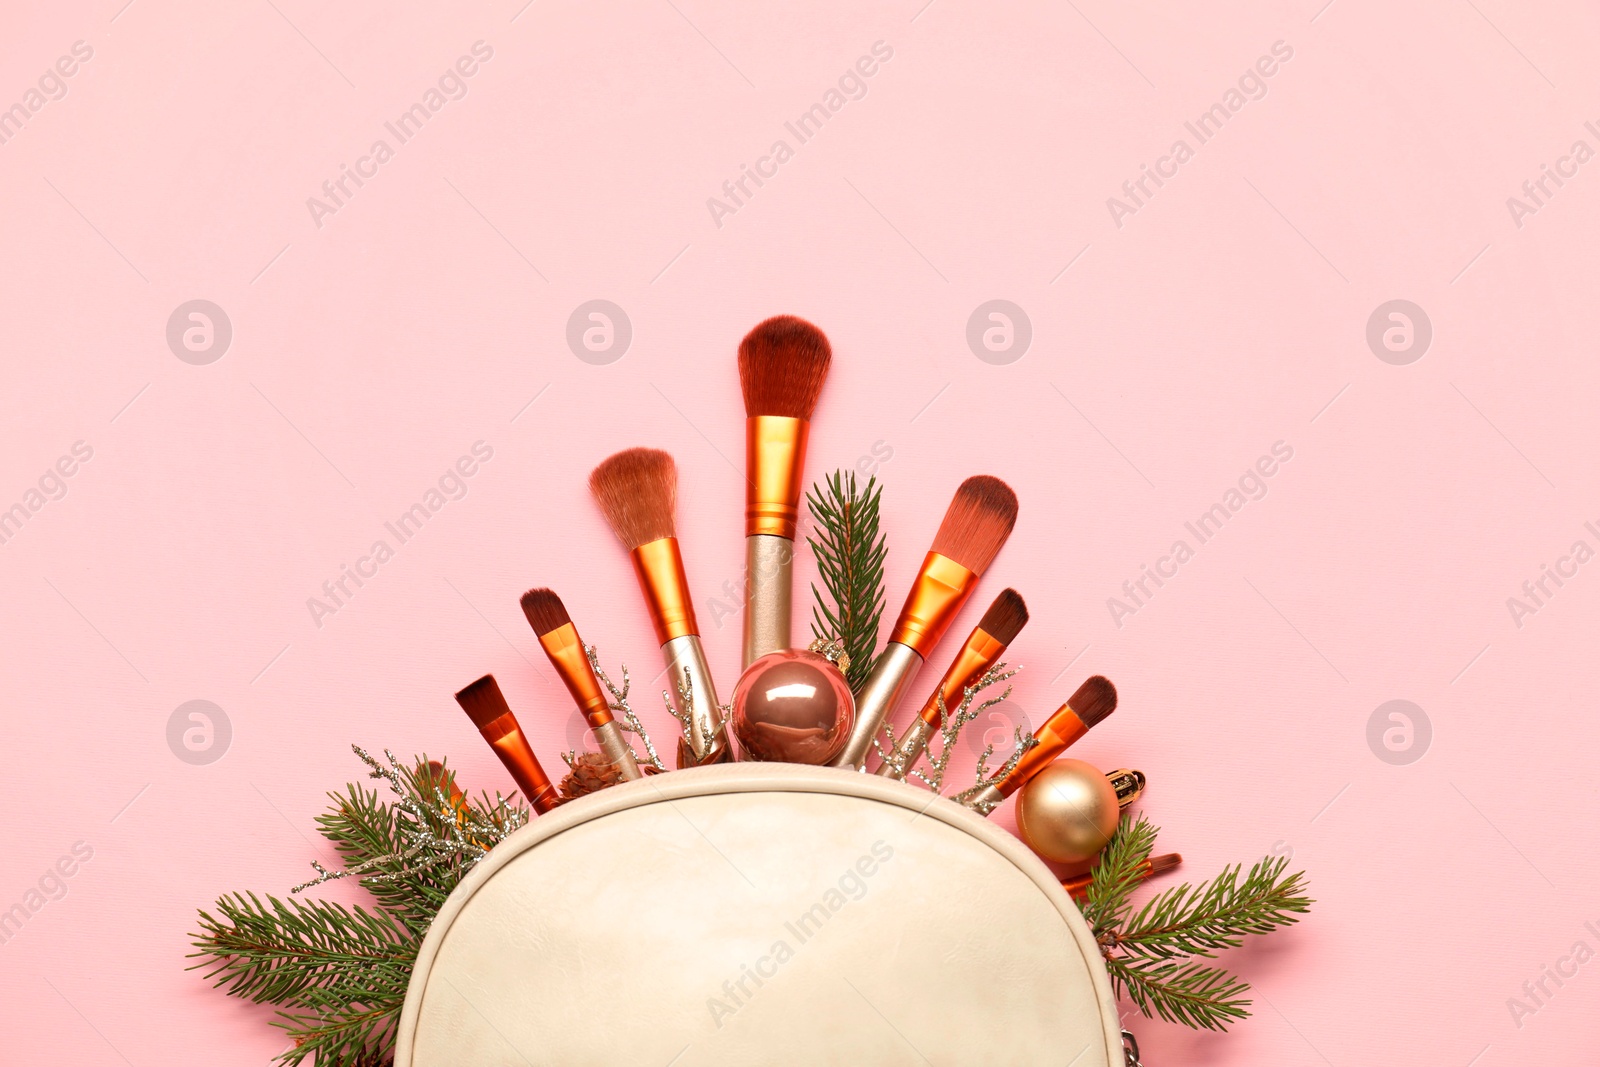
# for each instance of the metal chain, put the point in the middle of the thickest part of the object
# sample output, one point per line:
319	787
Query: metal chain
1130	1050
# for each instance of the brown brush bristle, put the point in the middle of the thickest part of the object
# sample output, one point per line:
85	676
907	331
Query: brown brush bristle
1165	863
483	702
979	520
638	491
1006	617
1094	700
544	610
782	364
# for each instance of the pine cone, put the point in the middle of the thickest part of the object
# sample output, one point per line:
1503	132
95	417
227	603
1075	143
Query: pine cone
590	773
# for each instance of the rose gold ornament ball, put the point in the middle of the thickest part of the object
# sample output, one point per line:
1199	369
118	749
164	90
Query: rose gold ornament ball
1067	812
793	707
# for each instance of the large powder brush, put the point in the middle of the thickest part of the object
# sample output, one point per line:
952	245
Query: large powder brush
637	490
782	365
979	520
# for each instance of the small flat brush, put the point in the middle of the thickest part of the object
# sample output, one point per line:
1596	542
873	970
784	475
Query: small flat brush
638	492
997	629
559	639
975	528
782	365
1088	707
486	706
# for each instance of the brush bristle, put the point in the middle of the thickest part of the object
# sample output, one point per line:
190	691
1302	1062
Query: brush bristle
638	491
483	702
1094	700
979	521
1163	864
782	364
1006	617
544	610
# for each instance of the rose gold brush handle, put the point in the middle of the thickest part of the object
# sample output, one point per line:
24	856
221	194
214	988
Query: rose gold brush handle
769	572
614	747
708	737
880	694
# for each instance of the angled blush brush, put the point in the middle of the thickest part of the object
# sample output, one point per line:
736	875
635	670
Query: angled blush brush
974	529
559	639
782	365
486	706
1087	708
638	492
997	629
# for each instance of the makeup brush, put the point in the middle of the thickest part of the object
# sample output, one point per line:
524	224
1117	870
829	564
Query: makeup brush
1079	886
975	527
782	364
997	629
1093	701
486	706
638	492
560	641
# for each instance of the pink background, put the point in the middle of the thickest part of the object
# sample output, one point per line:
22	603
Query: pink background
1227	314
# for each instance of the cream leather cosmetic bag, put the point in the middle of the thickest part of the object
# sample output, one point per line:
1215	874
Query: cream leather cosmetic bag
759	913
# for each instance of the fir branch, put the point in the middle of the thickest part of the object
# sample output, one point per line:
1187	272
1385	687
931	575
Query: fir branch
352	1035
1206	998
339	974
1117	875
850	553
277	951
1204	919
1149	953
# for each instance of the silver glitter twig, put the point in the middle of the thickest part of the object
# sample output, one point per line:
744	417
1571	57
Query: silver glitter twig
447	833
952	722
619	703
887	745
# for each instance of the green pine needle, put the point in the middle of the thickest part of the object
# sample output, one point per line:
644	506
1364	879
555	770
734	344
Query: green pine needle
850	553
1149	953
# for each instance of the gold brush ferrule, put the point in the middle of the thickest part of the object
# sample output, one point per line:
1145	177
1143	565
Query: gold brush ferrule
774	455
659	566
976	656
936	598
572	664
1058	732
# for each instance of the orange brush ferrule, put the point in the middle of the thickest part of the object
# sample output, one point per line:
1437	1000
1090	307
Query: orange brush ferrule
979	654
936	598
511	745
1058	732
774	455
659	566
572	664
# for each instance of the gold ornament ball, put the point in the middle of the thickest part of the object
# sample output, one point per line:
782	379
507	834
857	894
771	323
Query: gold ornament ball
1067	812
